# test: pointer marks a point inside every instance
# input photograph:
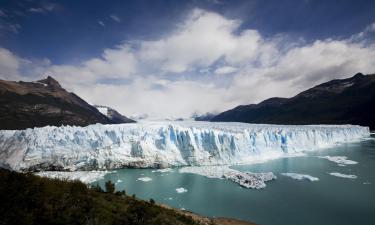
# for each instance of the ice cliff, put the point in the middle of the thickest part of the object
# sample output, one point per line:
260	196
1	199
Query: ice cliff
162	144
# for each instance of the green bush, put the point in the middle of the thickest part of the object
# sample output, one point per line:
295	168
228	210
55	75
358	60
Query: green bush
110	187
28	199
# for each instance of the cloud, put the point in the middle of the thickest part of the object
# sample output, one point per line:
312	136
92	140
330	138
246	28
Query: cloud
176	75
3	14
225	70
9	27
45	7
115	18
101	23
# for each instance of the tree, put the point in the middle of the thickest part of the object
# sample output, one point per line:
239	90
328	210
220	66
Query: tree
110	187
152	201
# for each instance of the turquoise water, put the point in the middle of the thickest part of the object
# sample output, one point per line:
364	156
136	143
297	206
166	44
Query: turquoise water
331	200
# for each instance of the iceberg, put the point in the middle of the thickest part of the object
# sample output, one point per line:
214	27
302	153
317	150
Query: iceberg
145	179
163	144
298	176
340	160
244	179
181	190
349	176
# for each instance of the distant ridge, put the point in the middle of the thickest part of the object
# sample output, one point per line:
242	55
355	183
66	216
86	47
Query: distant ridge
341	101
41	103
113	115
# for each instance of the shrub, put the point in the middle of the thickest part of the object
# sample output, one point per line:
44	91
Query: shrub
110	187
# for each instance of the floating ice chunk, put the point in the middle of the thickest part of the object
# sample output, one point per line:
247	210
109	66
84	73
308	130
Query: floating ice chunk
145	179
245	179
181	190
298	176
83	176
119	181
166	170
349	176
340	160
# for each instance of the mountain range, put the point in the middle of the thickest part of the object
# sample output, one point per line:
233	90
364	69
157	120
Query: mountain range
341	101
44	102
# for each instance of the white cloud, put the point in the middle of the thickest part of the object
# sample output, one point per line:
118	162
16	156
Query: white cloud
45	7
225	70
175	75
101	23
37	10
3	14
115	18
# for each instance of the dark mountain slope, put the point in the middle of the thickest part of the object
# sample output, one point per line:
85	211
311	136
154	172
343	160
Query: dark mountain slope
45	102
113	115
345	101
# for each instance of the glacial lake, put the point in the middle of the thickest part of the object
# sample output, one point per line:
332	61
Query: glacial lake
331	200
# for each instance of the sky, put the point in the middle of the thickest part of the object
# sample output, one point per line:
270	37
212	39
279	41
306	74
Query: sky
172	58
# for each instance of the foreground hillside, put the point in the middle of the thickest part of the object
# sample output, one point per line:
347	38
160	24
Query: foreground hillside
346	101
28	199
45	102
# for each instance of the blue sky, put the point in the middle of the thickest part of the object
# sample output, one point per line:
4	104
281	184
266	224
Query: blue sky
175	58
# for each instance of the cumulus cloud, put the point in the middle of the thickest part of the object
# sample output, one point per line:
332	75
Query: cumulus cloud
177	75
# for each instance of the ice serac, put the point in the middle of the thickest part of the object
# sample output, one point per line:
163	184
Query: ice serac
162	144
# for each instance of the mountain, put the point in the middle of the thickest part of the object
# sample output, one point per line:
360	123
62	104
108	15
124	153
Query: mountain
204	117
344	101
113	115
41	103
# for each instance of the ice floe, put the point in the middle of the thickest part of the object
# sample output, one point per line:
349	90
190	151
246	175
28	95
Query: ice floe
145	179
298	176
245	179
349	176
166	170
181	190
340	160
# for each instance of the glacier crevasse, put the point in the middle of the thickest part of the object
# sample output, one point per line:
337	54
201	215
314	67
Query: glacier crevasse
163	144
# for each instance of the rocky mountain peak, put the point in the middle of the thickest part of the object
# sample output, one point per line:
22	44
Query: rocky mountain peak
50	81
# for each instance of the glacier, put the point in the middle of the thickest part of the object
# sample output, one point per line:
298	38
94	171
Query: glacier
163	144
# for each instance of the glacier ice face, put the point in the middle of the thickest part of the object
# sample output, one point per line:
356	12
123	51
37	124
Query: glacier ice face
162	144
86	177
